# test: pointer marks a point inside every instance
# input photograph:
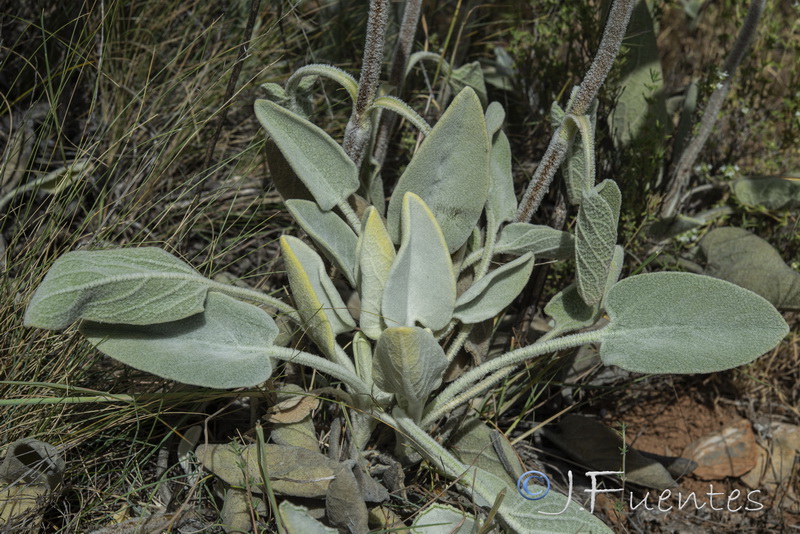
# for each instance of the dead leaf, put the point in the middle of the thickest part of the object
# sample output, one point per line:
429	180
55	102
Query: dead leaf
594	445
293	471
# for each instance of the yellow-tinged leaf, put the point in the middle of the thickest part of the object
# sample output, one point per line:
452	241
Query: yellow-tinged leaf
376	255
317	300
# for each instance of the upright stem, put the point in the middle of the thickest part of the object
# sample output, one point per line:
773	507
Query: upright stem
556	152
408	28
683	169
356	134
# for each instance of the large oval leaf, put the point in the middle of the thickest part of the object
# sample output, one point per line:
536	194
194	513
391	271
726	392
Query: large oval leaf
409	362
330	233
223	347
421	285
128	286
450	172
317	159
376	255
491	294
772	192
744	259
686	323
595	238
318	302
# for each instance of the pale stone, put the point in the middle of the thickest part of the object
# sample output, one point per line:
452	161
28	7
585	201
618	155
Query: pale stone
730	452
773	470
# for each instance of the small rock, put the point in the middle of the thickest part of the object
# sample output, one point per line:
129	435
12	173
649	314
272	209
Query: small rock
753	478
773	470
787	435
730	452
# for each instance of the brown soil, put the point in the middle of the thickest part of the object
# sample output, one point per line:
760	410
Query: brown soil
666	427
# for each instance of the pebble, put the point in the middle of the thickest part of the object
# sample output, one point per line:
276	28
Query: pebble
729	452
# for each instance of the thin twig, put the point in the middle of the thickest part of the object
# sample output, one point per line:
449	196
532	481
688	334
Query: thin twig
683	169
556	152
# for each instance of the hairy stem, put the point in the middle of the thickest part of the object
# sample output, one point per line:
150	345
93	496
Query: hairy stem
349	378
356	134
478	389
556	152
683	169
255	296
408	28
453	392
350	215
441	458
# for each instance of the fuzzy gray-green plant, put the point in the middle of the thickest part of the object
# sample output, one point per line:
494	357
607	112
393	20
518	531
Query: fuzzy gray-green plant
427	270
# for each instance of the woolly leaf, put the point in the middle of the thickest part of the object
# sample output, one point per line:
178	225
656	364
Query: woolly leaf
421	286
640	111
495	115
542	241
409	362
317	300
282	176
469	75
376	255
686	323
491	294
502	200
128	286
450	172
293	471
475	443
223	347
319	162
554	514
296	520
443	519
330	233
362	356
579	167
570	312
772	192
748	261
595	237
